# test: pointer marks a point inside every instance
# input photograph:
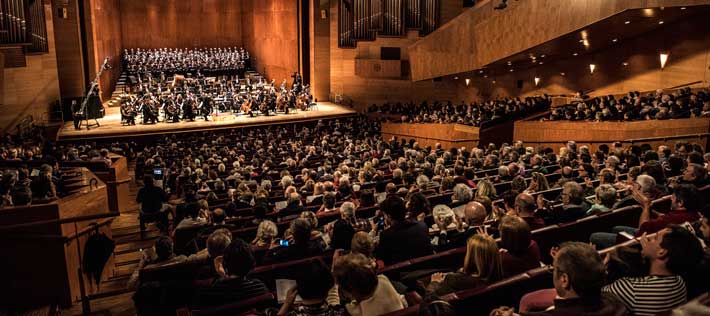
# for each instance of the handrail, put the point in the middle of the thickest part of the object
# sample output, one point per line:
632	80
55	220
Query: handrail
635	140
60	221
88	229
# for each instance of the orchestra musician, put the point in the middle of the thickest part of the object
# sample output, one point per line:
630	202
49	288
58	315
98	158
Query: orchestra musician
150	111
128	112
206	107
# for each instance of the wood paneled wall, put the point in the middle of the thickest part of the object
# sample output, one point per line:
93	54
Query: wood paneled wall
70	59
32	89
429	134
104	41
687	41
270	29
482	35
181	23
320	50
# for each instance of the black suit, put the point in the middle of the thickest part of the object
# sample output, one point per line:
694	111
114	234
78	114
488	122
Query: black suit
404	241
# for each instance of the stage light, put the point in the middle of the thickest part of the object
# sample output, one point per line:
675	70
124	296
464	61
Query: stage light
468	81
664	59
591	68
537	81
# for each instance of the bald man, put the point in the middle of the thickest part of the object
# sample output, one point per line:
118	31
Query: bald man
474	214
525	206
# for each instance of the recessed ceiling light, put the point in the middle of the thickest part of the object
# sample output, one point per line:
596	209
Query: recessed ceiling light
627	22
615	40
575	54
660	22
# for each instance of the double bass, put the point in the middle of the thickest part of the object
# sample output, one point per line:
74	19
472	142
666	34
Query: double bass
246	106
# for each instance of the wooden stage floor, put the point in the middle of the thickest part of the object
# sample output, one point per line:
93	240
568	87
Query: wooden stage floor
111	123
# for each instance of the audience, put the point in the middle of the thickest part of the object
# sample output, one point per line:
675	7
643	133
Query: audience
402	239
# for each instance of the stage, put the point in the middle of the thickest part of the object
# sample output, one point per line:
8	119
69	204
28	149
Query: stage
111	126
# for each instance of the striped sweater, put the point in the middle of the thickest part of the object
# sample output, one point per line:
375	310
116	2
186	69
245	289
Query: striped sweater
649	295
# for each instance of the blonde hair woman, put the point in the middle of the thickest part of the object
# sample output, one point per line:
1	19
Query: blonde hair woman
538	183
481	267
265	234
486	189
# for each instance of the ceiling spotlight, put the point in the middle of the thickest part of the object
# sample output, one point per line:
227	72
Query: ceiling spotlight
627	22
664	59
468	81
660	22
537	81
591	68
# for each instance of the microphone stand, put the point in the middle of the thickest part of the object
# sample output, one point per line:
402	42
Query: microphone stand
84	104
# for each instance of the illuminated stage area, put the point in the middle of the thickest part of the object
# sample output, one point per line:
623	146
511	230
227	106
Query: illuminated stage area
111	125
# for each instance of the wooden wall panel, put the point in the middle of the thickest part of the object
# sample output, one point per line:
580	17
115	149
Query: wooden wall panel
70	59
320	50
181	23
687	41
429	134
105	42
496	34
555	134
270	29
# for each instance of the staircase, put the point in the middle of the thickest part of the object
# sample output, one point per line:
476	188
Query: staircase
118	90
114	298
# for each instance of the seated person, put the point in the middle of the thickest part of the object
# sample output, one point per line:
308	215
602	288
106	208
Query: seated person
684	208
265	234
482	267
474	216
525	207
604	199
402	239
670	253
232	284
369	293
313	285
217	242
301	245
574	206
159	255
578	276
519	253
152	199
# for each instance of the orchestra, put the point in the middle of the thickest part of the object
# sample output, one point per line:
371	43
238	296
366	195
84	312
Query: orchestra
175	99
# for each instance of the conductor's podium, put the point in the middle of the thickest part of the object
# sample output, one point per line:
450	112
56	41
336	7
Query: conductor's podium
43	244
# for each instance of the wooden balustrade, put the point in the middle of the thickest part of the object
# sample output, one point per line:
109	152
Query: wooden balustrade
429	134
655	132
42	262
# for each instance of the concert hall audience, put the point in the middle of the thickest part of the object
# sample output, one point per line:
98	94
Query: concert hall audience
377	196
473	114
683	103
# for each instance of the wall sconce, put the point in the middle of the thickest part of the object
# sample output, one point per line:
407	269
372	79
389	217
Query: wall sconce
591	68
537	81
664	59
468	81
